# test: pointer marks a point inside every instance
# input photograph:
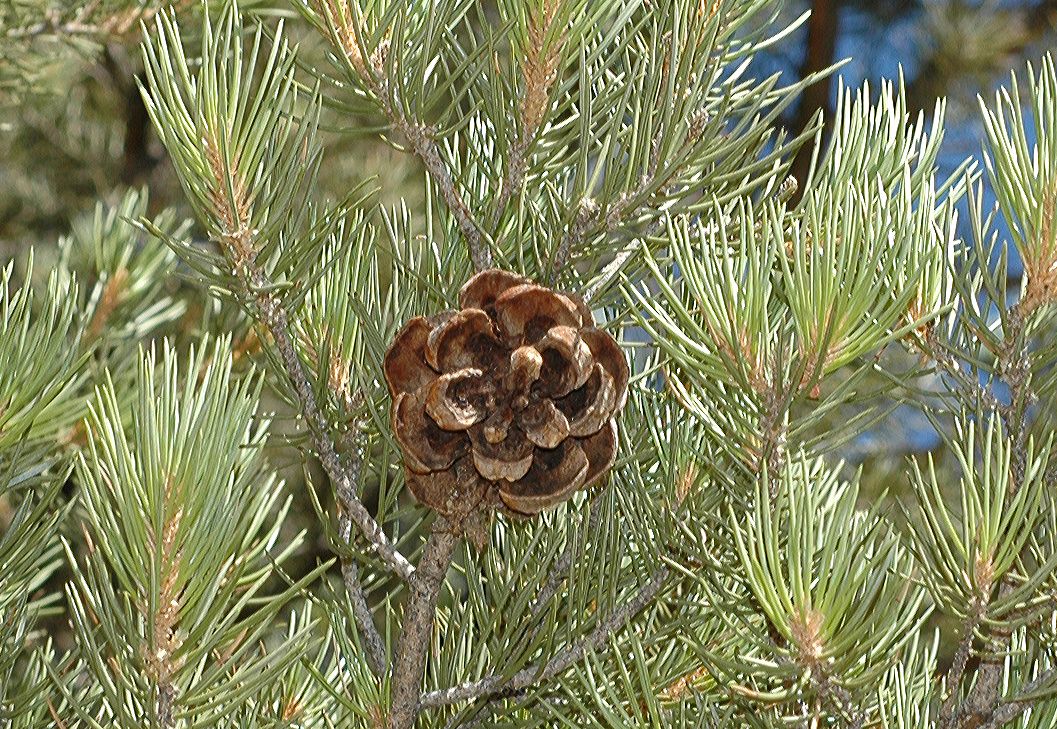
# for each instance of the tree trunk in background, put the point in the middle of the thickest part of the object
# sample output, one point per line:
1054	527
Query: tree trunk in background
137	161
821	44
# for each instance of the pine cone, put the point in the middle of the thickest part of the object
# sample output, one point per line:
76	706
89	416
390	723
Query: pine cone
514	393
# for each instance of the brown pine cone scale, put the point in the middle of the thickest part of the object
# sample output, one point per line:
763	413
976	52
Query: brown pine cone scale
514	394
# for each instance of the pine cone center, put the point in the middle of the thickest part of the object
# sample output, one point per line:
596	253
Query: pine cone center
514	393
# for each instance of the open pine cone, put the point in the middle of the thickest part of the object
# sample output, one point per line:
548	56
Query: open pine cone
515	393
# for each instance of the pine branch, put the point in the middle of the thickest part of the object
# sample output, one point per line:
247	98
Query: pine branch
941	354
54	24
589	213
841	698
166	694
237	243
497	686
1027	200
540	71
1014	365
947	715
420	137
565	560
82	24
425	146
589	220
417	628
610	272
164	619
361	611
149	584
350	573
1012	708
274	317
612	269
774	430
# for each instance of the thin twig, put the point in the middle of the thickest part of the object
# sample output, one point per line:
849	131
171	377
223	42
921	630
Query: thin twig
587	215
774	430
590	221
417	628
853	716
940	353
559	571
361	611
166	694
116	25
273	315
425	146
236	241
497	684
614	267
377	660
420	137
162	661
961	658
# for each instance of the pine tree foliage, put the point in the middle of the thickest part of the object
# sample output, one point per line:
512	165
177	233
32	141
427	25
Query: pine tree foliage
129	299
727	572
39	392
182	520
